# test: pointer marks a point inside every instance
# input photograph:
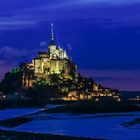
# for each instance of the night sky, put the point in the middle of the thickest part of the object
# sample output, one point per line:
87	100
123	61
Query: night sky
101	36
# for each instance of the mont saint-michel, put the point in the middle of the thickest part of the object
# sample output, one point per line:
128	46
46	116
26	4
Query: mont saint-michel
69	70
55	62
47	96
54	75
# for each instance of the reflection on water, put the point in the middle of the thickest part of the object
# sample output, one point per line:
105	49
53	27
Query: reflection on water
107	126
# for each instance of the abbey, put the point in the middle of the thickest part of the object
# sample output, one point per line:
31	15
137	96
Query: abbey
46	64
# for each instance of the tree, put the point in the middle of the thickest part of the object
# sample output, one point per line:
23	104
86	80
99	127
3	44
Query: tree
11	82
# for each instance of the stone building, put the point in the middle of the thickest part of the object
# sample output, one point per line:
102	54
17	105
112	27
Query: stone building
53	62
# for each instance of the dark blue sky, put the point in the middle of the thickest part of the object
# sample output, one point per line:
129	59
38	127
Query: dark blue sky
101	35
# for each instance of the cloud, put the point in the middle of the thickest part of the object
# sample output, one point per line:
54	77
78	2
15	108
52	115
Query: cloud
13	6
13	56
107	1
12	52
43	43
14	24
29	14
127	14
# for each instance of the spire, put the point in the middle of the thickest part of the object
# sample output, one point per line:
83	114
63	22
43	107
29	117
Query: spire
52	32
52	42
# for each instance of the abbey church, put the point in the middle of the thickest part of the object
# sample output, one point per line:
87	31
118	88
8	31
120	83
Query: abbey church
53	62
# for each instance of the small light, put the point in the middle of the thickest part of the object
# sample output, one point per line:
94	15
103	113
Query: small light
4	96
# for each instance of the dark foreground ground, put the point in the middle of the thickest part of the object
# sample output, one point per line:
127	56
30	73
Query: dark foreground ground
11	135
69	107
91	108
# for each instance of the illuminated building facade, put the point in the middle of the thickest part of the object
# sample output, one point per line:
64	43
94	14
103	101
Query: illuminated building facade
53	62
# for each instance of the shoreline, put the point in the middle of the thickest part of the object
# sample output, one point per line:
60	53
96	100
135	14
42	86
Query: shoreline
14	130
